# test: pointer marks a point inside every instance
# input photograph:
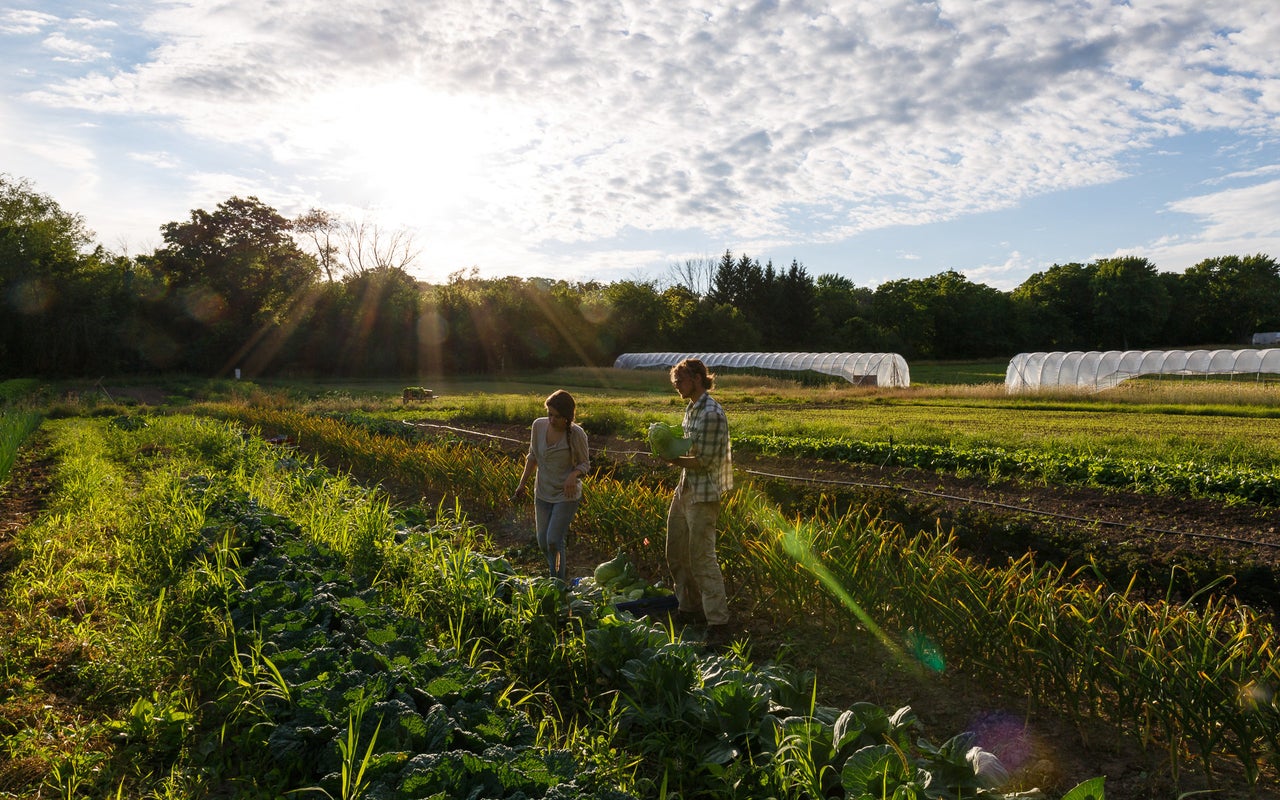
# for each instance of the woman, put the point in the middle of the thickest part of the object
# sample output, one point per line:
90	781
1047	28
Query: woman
558	453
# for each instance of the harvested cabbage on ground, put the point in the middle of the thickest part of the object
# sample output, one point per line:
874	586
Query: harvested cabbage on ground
618	581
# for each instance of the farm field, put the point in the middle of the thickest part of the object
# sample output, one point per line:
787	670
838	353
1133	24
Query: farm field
916	548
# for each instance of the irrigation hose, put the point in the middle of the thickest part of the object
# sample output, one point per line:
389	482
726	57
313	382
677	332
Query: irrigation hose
907	489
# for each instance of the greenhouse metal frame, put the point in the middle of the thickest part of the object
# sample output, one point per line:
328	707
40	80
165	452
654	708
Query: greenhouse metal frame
862	369
1099	370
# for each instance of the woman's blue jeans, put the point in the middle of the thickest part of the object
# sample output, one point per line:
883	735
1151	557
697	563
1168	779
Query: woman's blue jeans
553	528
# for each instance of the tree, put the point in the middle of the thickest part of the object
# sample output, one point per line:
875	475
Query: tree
680	322
717	327
841	312
378	315
55	298
970	320
778	307
235	274
321	229
695	274
1188	299
343	247
1234	297
1130	303
739	283
726	283
1056	307
899	310
630	316
793	309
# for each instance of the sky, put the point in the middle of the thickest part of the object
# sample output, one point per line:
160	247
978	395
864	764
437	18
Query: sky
616	139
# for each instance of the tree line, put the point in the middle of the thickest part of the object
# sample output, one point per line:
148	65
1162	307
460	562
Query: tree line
243	287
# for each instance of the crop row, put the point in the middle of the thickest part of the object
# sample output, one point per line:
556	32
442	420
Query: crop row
1187	478
1089	651
15	427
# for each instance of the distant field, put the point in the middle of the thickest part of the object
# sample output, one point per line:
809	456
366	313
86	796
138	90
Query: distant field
958	372
952	403
1169	421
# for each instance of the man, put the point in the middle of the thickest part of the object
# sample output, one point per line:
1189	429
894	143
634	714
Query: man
706	477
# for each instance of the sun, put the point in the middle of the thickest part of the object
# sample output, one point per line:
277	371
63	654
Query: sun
415	148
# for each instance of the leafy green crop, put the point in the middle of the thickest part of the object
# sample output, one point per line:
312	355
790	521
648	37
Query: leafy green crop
1189	478
357	672
15	427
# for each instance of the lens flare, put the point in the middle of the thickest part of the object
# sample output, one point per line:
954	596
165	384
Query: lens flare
1254	695
918	650
925	651
1007	736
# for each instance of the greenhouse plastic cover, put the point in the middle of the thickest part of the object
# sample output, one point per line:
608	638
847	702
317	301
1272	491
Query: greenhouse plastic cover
876	369
1103	370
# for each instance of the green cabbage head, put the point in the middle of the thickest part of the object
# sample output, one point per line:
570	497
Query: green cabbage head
667	441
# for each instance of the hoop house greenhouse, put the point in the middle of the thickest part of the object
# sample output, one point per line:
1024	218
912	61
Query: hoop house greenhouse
1103	370
863	369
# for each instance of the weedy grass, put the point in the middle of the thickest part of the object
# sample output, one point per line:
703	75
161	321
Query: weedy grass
1189	675
90	627
17	390
1236	481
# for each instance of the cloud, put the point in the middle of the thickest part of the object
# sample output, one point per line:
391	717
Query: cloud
160	160
90	23
67	49
1006	276
24	22
1236	221
781	122
1232	214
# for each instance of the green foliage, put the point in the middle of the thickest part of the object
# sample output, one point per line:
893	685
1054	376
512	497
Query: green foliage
605	420
15	427
365	690
1130	303
232	272
347	647
1197	479
517	410
60	299
14	390
1174	666
1092	789
1229	298
880	561
230	288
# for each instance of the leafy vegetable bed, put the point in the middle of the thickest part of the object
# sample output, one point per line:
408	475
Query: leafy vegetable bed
1247	483
362	704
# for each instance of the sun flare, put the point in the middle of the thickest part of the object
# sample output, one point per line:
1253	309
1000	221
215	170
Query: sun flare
414	150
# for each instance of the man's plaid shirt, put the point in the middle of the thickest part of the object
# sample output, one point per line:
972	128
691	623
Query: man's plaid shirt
706	423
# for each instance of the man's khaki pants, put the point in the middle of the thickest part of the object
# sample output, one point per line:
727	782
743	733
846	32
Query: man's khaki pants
691	557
